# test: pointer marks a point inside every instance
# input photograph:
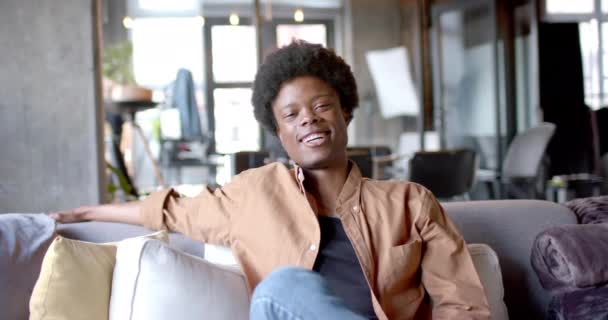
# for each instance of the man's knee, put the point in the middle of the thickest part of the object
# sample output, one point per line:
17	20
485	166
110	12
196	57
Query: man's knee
280	294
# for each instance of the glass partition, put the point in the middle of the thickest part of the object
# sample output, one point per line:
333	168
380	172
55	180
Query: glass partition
526	68
221	44
467	88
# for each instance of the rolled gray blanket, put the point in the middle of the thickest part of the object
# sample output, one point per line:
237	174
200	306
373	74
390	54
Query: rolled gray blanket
571	257
590	304
590	210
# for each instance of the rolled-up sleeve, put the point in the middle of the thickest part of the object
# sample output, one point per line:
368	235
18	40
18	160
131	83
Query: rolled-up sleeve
206	217
152	208
448	273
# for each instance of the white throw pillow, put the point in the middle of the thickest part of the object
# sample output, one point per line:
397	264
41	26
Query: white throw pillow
154	281
487	266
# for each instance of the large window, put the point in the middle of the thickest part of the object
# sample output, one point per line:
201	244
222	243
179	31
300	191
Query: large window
569	6
233	66
592	16
314	33
594	37
158	52
218	42
593	78
234	53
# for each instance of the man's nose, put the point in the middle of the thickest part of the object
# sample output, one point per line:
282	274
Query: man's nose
308	117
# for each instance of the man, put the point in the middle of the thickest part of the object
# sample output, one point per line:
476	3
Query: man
319	241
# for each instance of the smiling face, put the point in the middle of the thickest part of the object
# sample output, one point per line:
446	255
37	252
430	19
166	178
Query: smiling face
311	123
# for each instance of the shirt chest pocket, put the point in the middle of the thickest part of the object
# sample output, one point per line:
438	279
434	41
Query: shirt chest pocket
399	274
405	259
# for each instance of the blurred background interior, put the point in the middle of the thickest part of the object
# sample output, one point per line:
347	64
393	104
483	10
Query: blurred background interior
108	100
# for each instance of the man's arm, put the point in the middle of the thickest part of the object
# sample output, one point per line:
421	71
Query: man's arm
207	217
448	273
123	213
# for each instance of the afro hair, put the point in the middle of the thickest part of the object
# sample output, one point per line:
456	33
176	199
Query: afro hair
299	59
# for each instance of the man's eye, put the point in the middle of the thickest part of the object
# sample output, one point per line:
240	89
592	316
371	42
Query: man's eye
322	107
289	115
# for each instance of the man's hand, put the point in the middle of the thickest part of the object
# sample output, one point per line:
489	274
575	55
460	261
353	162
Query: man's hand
122	213
73	215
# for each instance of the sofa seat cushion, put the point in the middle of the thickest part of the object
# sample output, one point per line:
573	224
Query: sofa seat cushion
75	280
154	281
24	238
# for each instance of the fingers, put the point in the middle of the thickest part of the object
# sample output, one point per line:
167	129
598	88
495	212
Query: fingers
61	217
70	216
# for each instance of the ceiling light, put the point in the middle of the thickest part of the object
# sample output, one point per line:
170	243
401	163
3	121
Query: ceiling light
200	20
127	22
234	19
298	15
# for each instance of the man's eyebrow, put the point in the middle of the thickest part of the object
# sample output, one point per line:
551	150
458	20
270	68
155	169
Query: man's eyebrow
289	105
321	95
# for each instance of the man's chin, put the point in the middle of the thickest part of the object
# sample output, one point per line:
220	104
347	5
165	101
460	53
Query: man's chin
319	163
314	163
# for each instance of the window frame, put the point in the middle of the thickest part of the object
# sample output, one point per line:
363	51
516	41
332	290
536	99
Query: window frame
210	83
600	18
269	40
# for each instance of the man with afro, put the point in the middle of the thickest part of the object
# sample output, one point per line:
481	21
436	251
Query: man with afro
318	241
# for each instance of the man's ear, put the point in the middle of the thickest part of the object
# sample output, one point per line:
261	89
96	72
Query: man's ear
276	127
348	116
277	133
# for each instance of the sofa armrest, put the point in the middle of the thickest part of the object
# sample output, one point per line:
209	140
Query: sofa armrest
510	227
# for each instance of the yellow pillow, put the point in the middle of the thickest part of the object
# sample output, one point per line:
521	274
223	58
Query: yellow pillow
75	280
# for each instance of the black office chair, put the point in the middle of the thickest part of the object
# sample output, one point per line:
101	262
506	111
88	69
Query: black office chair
447	173
244	160
364	158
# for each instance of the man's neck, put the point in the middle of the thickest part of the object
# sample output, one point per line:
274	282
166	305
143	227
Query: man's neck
325	186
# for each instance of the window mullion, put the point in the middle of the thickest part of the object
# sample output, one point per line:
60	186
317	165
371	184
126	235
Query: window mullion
600	19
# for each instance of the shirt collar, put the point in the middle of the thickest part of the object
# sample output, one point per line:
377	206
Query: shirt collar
299	173
349	195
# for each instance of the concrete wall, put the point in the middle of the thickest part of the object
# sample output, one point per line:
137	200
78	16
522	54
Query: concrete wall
50	116
374	25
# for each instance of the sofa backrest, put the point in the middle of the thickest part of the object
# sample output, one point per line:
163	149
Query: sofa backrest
109	232
510	227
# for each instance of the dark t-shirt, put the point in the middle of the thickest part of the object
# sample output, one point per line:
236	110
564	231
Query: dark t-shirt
338	264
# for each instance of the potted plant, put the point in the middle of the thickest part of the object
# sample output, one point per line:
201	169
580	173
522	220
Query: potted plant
117	68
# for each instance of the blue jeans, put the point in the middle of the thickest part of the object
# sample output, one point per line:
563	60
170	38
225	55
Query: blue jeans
293	293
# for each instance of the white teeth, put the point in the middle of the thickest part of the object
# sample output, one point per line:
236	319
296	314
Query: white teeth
313	136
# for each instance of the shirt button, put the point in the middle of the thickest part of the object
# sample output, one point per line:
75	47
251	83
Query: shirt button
355	208
312	247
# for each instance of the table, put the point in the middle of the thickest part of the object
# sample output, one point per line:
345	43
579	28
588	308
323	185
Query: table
118	112
562	188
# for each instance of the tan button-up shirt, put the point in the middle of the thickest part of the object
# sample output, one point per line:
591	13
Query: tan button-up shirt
404	241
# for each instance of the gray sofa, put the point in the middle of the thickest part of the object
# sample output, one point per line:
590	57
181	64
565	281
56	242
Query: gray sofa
508	226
